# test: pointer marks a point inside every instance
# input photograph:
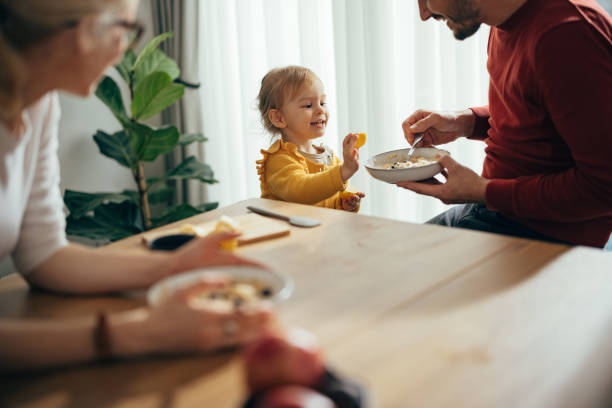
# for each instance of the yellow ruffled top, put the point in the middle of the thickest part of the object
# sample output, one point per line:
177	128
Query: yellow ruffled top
286	175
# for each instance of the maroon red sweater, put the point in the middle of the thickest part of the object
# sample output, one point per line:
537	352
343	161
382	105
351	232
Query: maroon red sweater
548	126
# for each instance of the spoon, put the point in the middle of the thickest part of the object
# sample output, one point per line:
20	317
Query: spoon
297	221
417	140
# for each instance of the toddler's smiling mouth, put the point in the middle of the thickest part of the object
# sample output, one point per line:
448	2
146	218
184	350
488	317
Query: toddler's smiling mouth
318	123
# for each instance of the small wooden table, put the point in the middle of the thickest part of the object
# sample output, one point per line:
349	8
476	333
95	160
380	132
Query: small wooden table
425	316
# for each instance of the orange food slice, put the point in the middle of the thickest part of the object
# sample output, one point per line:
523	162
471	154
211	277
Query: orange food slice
227	224
360	140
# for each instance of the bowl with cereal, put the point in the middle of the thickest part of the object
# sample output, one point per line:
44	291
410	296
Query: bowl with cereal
245	285
393	166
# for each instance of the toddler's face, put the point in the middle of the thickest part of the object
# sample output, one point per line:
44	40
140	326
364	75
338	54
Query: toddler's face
306	113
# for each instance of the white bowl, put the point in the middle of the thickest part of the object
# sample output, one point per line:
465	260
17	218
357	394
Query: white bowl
374	165
281	285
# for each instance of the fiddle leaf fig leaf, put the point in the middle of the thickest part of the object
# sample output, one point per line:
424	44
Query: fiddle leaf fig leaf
116	146
190	169
110	222
80	204
126	66
181	212
157	61
109	93
148	143
151	47
160	196
155	93
189	138
139	136
162	141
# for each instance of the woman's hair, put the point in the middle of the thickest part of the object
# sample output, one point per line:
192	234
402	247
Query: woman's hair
279	85
27	22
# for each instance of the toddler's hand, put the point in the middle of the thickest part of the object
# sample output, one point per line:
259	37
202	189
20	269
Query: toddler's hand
351	202
350	155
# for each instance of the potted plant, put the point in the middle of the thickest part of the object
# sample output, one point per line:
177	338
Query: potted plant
152	80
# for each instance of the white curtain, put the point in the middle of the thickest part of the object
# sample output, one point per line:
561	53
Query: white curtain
378	63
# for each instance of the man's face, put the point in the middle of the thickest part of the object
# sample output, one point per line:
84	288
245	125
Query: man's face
462	16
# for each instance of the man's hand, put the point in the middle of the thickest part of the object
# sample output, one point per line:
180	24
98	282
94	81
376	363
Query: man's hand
438	127
462	184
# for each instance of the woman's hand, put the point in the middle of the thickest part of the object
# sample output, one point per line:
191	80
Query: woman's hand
462	185
185	323
205	251
351	201
350	155
438	127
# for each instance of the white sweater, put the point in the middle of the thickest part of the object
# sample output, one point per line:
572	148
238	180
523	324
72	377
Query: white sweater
31	208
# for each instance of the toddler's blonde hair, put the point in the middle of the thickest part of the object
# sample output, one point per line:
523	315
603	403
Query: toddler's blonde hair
277	86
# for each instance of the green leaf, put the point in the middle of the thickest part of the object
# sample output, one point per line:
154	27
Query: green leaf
138	135
155	93
176	213
79	203
110	222
163	195
125	215
181	212
207	206
157	61
91	228
148	143
134	196
191	137
161	141
109	93
151	47
190	168
117	147
126	66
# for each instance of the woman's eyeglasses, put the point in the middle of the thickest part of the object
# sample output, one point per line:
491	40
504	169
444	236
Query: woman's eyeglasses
134	30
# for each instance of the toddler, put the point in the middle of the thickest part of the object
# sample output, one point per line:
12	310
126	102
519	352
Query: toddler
292	105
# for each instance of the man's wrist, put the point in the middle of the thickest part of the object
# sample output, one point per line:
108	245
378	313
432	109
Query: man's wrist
468	120
482	193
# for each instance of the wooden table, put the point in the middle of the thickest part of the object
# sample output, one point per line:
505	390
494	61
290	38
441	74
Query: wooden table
425	316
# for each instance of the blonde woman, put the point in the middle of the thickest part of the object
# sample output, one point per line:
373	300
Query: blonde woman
67	45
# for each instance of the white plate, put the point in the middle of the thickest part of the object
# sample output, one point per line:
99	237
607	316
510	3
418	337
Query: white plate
281	286
374	165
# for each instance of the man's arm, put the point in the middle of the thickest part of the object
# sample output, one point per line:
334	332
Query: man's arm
481	124
574	70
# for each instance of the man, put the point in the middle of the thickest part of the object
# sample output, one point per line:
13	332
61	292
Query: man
548	126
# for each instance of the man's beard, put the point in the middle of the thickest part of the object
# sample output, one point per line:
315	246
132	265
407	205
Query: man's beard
463	32
464	16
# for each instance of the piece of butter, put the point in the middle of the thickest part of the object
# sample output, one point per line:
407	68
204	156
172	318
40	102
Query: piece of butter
227	224
190	229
